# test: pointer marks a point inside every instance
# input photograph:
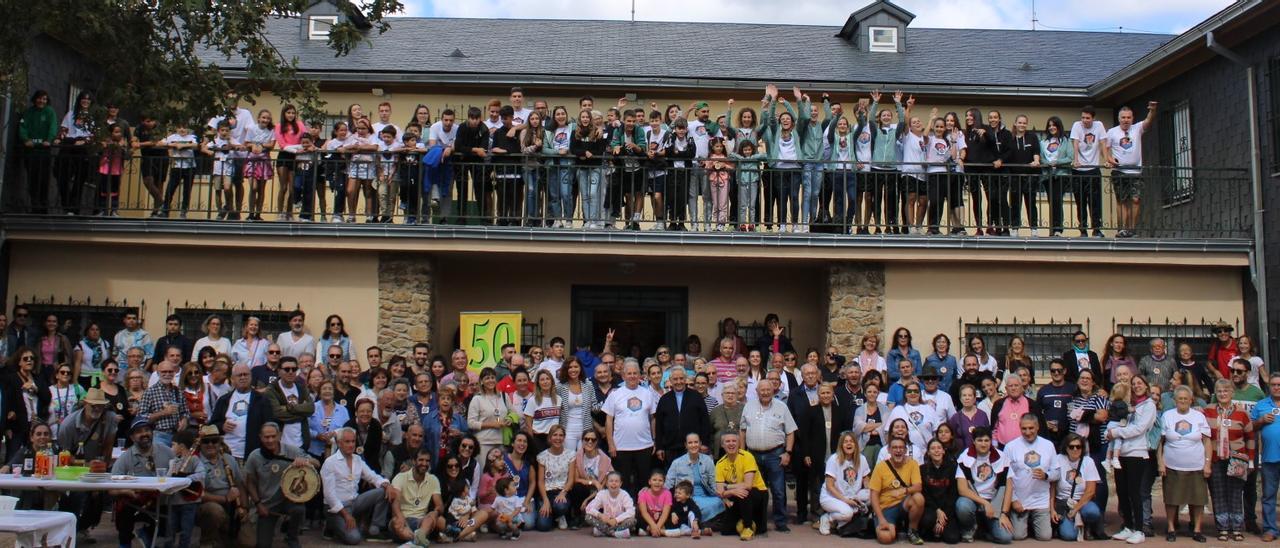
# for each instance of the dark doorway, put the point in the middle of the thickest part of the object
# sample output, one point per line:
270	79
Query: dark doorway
643	318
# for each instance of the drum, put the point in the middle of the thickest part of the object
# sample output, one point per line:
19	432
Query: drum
299	483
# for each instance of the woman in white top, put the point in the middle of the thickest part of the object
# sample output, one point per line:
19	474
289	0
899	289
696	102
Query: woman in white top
212	328
844	493
921	418
64	397
1184	461
251	348
1078	478
543	410
870	358
1257	369
91	352
487	412
869	420
577	399
898	429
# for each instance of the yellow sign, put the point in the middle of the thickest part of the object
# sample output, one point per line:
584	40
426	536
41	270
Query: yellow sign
484	333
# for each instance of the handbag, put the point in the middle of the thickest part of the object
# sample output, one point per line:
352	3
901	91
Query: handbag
1237	466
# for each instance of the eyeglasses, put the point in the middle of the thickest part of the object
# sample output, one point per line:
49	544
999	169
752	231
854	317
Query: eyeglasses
1056	371
273	351
912	391
1075	447
1240	371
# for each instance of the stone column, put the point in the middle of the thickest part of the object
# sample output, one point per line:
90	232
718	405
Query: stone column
855	292
406	294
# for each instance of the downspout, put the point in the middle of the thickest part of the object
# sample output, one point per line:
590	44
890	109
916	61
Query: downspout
1259	260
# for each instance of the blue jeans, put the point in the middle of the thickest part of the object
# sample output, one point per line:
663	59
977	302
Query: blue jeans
1089	513
1270	485
560	191
811	180
531	176
968	514
591	192
163	438
441	177
699	186
182	520
844	190
770	463
558	510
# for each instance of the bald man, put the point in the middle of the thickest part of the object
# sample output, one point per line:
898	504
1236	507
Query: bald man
240	414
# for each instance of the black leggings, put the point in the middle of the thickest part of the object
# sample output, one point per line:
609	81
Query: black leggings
750	510
950	531
1129	490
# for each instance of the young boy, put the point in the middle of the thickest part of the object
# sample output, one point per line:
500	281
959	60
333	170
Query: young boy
220	148
181	144
510	509
306	165
685	518
182	512
385	188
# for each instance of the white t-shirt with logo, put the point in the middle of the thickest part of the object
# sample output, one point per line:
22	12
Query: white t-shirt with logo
1023	458
848	479
863	148
985	473
560	138
545	414
1126	147
238	413
941	402
292	432
1067	470
442	137
701	139
521	115
922	422
631	409
1184	439
937	153
1090	140
913	154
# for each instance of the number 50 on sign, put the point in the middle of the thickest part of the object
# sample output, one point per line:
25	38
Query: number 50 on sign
484	333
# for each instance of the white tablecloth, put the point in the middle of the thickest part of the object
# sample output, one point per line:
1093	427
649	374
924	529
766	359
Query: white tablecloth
168	486
36	528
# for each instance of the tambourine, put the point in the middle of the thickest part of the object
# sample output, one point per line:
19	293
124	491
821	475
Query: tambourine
299	483
193	492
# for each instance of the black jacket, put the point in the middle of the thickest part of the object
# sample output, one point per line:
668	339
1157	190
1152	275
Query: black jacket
974	380
999	144
850	400
1025	149
673	426
766	343
259	414
470	138
27	337
1073	369
11	403
811	438
179	340
371	450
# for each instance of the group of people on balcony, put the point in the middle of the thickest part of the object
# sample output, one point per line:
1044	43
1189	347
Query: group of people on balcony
795	166
923	444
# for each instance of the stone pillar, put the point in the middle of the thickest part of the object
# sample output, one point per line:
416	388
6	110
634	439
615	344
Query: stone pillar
406	294
855	292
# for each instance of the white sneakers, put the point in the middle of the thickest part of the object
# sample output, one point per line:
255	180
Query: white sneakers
1136	538
824	524
1124	534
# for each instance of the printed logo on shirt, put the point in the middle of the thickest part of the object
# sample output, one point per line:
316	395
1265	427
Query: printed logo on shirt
1057	404
240	408
701	131
916	417
1089	140
1182	428
940	147
1126	143
1053	147
1031	459
864	137
1072	475
984	472
634	404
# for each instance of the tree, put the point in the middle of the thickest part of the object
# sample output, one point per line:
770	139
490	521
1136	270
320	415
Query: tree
155	56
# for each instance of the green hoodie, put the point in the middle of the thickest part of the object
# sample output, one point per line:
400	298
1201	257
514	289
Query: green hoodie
811	130
1058	163
748	166
38	125
772	132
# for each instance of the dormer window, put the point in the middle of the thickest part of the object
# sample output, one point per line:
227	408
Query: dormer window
318	26
883	39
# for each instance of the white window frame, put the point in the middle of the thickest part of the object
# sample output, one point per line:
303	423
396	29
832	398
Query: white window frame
1183	173
873	45
318	26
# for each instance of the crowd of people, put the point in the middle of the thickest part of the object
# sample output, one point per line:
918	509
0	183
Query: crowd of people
795	165
933	444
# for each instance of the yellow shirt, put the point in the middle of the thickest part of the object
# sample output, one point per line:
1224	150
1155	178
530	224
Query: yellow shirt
415	498
731	472
883	480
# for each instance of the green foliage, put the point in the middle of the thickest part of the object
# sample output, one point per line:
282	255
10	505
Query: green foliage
154	55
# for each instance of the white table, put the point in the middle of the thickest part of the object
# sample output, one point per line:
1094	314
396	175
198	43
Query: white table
166	487
38	528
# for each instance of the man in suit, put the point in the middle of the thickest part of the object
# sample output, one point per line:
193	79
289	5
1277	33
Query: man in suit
809	414
241	413
19	332
680	412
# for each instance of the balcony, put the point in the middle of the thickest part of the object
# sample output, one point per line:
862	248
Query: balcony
631	209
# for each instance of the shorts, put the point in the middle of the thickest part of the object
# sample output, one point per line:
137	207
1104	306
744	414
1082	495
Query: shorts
223	168
155	167
895	513
285	159
876	180
656	182
1127	187
258	168
362	170
912	185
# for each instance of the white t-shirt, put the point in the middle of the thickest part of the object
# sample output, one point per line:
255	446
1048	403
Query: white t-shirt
631	409
521	114
242	122
1126	147
1090	141
1023	458
560	137
787	147
863	149
238	413
848	480
913	154
937	153
184	158
377	129
985	473
290	347
941	402
1184	439
259	135
222	345
292	432
922	421
545	414
552	365
492	125
701	139
438	135
1067	470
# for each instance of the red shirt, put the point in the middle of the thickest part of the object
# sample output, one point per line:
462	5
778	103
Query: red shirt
1221	355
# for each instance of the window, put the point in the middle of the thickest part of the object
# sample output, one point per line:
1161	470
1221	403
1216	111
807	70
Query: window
1273	81
531	335
883	39
1044	341
272	322
1175	154
74	317
1138	336
318	26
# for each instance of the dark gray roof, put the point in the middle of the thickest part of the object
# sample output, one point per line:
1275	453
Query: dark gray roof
780	53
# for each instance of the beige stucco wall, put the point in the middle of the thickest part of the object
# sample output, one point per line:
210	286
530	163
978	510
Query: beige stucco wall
931	298
343	283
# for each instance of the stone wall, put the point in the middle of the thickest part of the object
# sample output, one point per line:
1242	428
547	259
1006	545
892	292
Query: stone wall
406	297
855	292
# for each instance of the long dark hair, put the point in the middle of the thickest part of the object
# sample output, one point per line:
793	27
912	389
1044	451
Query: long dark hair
1055	121
976	113
287	125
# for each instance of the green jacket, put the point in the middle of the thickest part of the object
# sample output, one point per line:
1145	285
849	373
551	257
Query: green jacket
38	125
549	146
1058	163
748	166
884	146
771	132
811	130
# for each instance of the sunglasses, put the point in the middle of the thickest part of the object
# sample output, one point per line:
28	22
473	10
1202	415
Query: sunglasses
64	372
1075	446
335	356
111	370
1240	371
289	369
1082	340
913	391
451	465
588	439
334	324
21	315
273	351
28	358
210	442
1056	371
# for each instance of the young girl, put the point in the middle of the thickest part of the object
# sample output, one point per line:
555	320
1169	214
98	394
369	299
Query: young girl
749	165
956	192
337	173
361	171
288	133
555	143
914	147
531	139
259	140
588	144
685	518
182	144
840	171
1117	416
655	506
611	512
718	177
939	155
510	509
110	166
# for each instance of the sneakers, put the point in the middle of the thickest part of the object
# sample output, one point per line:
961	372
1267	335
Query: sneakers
746	534
824	525
562	523
1115	463
1124	534
1136	538
623	533
914	538
596	532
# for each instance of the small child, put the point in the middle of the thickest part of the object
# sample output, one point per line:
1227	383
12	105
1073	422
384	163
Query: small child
387	185
110	167
510	509
462	508
748	183
654	505
685	517
182	512
335	167
306	171
182	144
718	175
361	171
1117	416
259	140
611	512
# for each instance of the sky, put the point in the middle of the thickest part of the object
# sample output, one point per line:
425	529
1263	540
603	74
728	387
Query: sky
1172	16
